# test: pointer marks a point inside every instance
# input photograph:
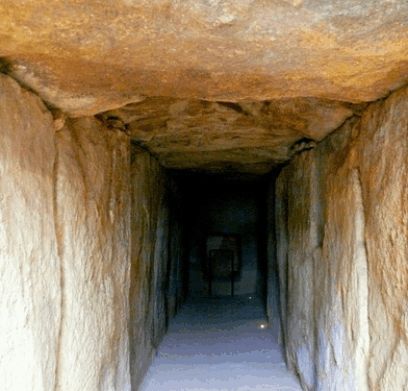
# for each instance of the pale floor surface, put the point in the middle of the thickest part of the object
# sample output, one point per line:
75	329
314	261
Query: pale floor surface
218	345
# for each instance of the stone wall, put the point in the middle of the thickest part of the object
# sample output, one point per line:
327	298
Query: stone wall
155	273
30	291
273	295
92	210
342	249
176	284
64	250
68	264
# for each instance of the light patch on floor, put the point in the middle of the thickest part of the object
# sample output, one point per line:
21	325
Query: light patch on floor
220	345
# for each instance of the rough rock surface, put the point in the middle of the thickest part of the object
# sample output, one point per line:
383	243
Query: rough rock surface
247	137
288	66
30	292
342	251
273	294
176	285
93	234
86	56
64	250
154	279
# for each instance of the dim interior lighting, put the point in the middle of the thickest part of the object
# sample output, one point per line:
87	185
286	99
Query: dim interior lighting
250	297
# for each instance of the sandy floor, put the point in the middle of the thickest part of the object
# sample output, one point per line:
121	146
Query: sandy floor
219	345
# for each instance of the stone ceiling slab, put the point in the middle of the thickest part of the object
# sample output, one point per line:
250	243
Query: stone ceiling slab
88	56
244	137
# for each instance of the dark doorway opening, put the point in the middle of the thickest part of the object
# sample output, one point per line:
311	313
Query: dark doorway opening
223	265
225	213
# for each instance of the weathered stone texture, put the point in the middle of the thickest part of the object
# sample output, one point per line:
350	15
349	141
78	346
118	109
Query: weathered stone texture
93	232
216	136
176	288
64	250
297	276
88	56
153	275
384	178
211	85
342	240
273	296
30	291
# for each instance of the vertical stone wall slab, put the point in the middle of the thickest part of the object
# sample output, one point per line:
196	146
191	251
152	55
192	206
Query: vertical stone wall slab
149	261
384	177
297	241
30	292
341	273
175	289
93	232
273	304
342	217
282	239
302	223
64	253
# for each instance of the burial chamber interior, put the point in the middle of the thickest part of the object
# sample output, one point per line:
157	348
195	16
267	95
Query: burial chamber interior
231	175
101	245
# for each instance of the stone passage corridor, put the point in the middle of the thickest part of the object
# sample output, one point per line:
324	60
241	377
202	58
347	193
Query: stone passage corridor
163	161
219	345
